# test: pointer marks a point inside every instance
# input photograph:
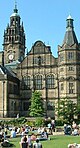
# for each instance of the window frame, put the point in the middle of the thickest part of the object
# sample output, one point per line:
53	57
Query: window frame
50	81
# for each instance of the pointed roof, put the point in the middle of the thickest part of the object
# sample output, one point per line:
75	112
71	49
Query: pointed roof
70	36
15	11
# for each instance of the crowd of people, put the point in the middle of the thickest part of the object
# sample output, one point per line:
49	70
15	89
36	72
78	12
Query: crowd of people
33	140
31	137
26	142
73	129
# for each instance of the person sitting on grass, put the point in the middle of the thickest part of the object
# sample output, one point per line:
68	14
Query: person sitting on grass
37	144
33	137
74	145
44	134
6	143
75	132
29	141
24	143
13	133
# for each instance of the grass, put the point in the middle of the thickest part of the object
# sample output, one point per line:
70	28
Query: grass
55	142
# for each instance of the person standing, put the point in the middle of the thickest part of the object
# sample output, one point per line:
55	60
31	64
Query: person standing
53	125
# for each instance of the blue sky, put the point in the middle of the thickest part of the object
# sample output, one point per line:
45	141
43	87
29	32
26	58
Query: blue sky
43	20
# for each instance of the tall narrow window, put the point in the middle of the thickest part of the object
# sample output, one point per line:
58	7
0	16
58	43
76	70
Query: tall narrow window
12	32
25	106
70	55
71	88
38	82
12	105
12	39
27	82
62	86
50	81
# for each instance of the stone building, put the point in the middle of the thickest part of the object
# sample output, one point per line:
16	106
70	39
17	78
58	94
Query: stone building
39	70
9	93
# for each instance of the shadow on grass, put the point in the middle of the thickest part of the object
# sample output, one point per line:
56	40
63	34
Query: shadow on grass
10	145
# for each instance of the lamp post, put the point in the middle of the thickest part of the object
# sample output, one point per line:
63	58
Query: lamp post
46	95
58	92
3	96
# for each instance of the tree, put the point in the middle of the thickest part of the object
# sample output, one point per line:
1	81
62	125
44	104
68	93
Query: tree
36	108
78	108
67	110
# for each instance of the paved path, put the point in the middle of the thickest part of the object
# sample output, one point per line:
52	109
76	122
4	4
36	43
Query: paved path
58	133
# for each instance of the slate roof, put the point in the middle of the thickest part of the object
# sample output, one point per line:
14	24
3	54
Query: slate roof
13	64
70	36
8	71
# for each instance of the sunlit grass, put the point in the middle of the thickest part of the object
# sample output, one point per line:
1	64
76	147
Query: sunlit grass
55	142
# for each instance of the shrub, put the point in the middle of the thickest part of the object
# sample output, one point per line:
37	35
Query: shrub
39	121
31	123
59	122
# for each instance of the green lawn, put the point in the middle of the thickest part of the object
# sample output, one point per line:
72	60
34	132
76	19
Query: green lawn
55	142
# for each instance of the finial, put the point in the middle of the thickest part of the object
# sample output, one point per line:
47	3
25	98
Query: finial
69	17
15	4
15	8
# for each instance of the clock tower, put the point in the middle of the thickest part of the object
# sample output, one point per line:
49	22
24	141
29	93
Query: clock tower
14	39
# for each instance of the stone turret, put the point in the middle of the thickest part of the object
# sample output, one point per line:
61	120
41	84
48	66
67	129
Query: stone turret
70	37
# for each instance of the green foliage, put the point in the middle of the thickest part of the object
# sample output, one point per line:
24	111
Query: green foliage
66	110
47	121
36	108
39	122
78	109
59	122
31	123
14	121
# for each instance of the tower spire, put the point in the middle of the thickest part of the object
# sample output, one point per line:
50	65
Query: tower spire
15	7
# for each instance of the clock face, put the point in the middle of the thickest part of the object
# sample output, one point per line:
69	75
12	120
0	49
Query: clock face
11	57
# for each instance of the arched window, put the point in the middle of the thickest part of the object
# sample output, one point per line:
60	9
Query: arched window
27	83
38	82
50	81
